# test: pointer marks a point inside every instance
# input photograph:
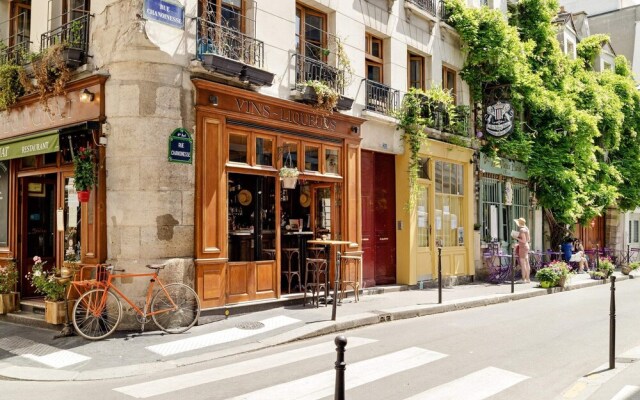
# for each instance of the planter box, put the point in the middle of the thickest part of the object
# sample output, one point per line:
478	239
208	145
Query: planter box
73	57
54	312
257	76
308	95
7	303
223	65
344	103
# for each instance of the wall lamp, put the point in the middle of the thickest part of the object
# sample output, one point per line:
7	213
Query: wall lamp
86	96
213	99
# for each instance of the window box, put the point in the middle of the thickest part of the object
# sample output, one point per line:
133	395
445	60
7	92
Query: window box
308	95
344	103
257	76
223	65
73	57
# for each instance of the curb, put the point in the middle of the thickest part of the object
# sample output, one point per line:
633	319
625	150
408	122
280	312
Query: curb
305	332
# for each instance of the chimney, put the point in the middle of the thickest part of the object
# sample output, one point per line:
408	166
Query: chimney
562	10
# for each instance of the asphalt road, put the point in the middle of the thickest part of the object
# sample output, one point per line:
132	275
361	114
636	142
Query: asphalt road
529	349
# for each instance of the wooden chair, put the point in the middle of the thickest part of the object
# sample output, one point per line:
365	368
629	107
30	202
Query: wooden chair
351	272
317	268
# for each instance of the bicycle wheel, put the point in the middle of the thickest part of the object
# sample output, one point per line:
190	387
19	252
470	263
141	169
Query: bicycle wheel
91	319
181	317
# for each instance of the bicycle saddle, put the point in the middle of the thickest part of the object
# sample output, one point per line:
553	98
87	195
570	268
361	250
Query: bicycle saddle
156	266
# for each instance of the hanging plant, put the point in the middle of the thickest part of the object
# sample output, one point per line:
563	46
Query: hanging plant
51	74
84	172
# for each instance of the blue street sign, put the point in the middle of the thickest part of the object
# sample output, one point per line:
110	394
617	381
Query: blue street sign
180	146
167	12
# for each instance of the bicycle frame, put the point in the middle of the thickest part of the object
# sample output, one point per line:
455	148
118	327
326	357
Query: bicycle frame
154	278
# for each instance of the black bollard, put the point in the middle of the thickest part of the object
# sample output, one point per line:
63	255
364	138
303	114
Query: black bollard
612	326
341	366
513	270
627	254
439	275
597	257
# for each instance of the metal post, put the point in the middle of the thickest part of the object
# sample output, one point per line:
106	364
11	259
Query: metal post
341	366
439	275
612	326
628	256
334	304
597	256
513	269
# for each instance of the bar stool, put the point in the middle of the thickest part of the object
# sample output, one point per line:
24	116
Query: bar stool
270	254
317	267
316	252
350	272
292	270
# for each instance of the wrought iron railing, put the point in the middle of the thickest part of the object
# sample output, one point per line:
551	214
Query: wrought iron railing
457	121
444	13
15	49
311	69
382	98
73	34
430	6
227	41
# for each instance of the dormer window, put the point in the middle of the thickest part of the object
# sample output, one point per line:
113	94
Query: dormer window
570	49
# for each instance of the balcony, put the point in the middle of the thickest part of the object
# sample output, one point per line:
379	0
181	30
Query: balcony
381	98
311	69
429	6
15	49
74	37
224	49
430	9
456	122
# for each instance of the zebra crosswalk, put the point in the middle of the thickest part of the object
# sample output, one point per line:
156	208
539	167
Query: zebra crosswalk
319	382
41	353
628	392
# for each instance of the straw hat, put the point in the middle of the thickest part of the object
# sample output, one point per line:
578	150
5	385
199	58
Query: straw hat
520	221
245	197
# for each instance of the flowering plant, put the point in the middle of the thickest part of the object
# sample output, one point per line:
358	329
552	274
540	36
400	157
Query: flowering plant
547	274
8	277
606	266
45	282
560	268
83	169
287	172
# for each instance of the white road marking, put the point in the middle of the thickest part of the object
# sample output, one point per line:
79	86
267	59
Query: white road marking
626	393
40	352
475	386
184	381
224	336
357	374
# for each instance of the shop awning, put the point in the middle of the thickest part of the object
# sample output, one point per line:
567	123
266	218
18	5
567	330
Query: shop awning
40	143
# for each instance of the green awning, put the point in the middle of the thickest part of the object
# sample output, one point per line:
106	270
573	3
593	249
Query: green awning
41	143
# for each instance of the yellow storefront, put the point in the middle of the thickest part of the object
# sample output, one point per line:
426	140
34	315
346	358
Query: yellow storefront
442	215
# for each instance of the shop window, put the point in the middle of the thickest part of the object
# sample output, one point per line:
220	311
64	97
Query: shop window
416	71
238	148
332	161
423	169
449	218
264	151
374	59
423	216
290	155
50	159
4	203
449	82
311	158
28	162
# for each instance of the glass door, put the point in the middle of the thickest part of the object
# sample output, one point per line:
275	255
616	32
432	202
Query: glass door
322	211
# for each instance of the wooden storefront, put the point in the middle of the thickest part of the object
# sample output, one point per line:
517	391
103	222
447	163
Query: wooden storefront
39	211
244	218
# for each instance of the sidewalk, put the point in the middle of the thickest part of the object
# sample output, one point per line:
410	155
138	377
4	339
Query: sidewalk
28	353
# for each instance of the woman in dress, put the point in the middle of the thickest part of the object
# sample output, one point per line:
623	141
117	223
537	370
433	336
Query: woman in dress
523	248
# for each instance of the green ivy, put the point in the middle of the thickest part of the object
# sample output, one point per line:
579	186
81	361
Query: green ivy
579	135
10	87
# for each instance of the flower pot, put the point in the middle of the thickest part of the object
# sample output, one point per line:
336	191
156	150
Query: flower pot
625	269
54	312
84	195
289	182
562	282
69	268
7	303
546	284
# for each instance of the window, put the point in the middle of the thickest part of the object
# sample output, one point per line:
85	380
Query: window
571	50
311	158
238	148
374	58
20	26
423	216
416	71
311	39
449	218
4	203
423	170
332	161
227	13
449	82
634	235
264	151
74	9
607	66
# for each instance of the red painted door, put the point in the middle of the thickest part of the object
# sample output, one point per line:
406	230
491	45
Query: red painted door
378	218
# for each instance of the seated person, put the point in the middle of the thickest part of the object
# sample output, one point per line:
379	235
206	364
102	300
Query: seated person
579	257
567	249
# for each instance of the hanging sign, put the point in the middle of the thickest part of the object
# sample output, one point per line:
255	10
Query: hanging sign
167	12
498	118
180	146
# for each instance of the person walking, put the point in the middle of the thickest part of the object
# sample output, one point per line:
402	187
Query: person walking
523	248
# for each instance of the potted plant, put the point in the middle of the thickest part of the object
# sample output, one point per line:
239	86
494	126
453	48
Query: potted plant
8	281
47	284
289	177
547	277
626	269
605	265
561	269
84	175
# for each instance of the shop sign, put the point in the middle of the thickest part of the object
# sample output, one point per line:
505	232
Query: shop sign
165	11
31	146
180	146
498	118
289	116
504	167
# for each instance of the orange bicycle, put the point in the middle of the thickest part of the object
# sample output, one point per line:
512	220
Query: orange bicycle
96	314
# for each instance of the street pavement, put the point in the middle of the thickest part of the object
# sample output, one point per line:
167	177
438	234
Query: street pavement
28	353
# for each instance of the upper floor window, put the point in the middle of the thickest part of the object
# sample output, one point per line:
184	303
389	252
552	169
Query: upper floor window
74	9
311	37
449	82
20	22
227	13
416	71
374	58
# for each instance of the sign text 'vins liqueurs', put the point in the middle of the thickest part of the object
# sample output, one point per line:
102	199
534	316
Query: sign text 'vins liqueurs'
180	146
498	118
286	115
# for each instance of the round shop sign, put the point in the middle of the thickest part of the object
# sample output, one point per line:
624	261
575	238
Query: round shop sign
498	118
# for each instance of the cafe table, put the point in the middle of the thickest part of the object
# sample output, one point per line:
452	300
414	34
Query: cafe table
333	245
